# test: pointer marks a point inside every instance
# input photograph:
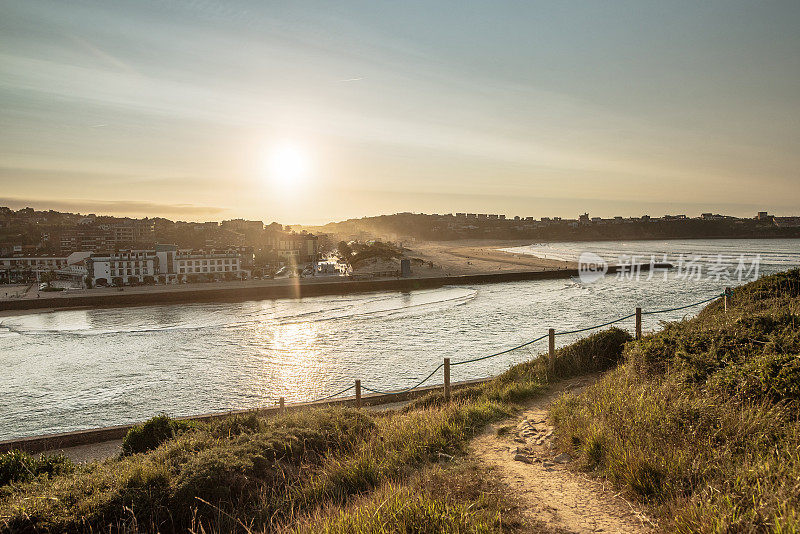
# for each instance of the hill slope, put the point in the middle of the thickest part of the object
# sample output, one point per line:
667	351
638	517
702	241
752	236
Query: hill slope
701	420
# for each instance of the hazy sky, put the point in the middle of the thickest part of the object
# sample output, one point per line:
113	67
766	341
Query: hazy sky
177	108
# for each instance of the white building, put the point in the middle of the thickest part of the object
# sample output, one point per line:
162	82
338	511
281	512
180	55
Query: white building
166	264
123	267
214	264
21	269
25	268
32	263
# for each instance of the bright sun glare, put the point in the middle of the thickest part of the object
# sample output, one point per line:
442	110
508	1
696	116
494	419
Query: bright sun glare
289	164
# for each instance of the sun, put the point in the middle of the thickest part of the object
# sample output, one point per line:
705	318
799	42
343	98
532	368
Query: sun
288	164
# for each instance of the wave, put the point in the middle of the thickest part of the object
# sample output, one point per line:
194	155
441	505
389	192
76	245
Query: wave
459	300
260	317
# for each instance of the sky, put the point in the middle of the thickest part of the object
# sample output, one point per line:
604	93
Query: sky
309	112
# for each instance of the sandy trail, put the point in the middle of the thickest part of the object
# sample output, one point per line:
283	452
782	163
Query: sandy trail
550	491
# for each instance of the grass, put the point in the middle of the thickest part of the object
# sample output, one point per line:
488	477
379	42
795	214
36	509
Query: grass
316	470
17	466
701	421
458	498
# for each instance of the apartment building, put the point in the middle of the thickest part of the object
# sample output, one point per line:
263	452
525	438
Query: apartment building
165	264
123	267
213	264
295	248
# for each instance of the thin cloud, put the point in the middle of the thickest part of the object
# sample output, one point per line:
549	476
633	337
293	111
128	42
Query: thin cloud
112	207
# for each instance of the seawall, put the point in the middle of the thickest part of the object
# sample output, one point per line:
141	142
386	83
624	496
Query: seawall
293	288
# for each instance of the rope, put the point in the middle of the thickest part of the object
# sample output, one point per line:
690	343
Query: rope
506	351
593	327
407	389
501	352
683	307
335	394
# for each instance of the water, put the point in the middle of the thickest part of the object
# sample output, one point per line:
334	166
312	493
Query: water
71	370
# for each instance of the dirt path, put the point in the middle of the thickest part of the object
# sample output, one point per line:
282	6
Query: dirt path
549	490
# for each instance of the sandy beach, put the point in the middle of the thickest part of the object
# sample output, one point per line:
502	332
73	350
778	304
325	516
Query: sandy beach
482	256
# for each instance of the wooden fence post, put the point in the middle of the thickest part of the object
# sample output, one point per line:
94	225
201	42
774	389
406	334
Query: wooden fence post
727	293
281	404
551	334
447	379
638	323
358	393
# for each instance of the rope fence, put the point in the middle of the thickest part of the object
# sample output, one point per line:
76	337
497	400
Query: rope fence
551	335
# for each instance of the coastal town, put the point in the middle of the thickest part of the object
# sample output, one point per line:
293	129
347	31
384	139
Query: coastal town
49	253
95	251
54	251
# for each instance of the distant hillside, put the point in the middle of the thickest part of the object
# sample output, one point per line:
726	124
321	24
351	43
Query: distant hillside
403	226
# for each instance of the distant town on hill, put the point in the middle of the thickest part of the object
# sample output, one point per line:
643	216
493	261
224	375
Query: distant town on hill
445	227
34	232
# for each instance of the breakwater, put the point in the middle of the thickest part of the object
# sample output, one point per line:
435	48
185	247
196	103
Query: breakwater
292	288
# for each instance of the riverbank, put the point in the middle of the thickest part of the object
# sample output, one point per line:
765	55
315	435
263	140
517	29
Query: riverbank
58	443
277	474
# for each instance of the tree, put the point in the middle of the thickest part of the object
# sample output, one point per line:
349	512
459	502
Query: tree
344	252
48	278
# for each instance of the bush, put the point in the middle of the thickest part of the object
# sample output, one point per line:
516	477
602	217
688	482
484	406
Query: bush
207	477
149	435
774	376
597	352
18	466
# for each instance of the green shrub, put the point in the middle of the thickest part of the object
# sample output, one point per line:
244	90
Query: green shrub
776	376
236	425
785	285
598	352
149	435
207	477
18	466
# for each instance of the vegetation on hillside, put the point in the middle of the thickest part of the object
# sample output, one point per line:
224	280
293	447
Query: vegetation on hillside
17	466
701	421
446	227
317	470
356	254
